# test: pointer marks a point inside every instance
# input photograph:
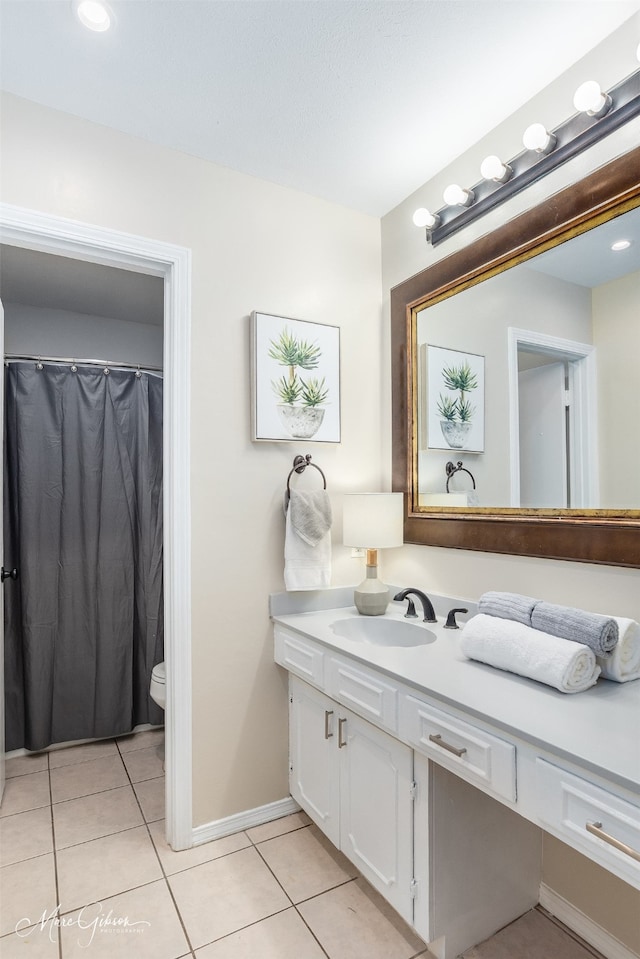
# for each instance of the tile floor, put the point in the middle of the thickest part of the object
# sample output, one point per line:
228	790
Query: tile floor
85	871
534	936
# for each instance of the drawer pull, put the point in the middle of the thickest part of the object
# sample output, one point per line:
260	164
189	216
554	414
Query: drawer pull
328	713
341	742
439	741
595	828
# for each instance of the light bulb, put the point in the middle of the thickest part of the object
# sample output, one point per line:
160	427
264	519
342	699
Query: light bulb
422	217
492	168
590	99
620	245
537	137
455	195
94	15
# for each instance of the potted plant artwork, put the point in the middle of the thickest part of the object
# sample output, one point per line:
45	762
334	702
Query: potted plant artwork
301	399
457	411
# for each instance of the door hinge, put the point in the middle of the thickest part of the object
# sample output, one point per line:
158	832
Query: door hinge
567	397
413	790
413	888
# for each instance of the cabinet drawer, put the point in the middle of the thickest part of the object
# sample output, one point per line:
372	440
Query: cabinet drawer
364	692
299	656
598	823
472	753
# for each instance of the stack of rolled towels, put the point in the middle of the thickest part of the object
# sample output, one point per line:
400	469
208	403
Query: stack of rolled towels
558	645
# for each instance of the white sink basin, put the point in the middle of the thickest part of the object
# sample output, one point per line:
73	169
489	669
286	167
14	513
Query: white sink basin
383	632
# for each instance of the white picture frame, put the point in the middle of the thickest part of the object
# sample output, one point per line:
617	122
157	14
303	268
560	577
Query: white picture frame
455	417
300	400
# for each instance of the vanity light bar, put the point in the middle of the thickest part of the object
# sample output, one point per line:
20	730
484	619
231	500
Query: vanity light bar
619	105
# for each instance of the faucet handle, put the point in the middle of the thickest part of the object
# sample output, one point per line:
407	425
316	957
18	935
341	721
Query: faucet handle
451	618
411	609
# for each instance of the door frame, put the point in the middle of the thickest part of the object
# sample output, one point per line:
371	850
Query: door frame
584	411
52	234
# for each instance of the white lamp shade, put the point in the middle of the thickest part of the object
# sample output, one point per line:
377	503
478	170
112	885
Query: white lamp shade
373	520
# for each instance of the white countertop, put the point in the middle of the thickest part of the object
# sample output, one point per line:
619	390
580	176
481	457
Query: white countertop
598	728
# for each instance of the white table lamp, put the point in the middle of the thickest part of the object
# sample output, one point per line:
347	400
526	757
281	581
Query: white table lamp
372	521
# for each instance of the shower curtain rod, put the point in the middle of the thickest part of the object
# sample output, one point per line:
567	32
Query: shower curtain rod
82	362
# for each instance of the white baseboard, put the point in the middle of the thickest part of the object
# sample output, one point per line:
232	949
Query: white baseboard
584	927
244	820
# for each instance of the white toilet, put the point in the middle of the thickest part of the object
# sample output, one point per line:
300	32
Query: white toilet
158	687
158	693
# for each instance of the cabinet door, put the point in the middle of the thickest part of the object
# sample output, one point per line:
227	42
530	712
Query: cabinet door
376	808
314	757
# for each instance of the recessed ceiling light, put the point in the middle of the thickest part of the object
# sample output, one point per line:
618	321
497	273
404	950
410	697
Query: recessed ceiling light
94	15
621	245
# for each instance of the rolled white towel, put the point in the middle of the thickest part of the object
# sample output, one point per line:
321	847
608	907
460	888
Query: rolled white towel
623	664
568	666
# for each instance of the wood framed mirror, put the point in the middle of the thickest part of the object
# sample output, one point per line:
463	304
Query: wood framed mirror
584	530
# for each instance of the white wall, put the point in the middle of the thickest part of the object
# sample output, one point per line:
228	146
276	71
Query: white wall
43	332
616	330
467	574
255	246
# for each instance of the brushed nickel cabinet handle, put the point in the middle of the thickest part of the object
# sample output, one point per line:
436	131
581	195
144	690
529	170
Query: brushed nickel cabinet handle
439	741
328	713
595	828
341	742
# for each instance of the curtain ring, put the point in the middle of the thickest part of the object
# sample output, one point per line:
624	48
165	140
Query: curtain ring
74	368
138	373
39	364
106	371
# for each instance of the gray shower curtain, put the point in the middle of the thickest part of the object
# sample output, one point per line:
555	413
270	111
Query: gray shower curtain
83	525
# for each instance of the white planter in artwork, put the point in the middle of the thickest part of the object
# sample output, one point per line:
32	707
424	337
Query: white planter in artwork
300	422
455	434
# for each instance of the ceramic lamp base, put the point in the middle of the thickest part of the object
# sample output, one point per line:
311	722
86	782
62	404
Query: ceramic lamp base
371	597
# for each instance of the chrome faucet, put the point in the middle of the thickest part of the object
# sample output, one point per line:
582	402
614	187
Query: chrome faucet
429	615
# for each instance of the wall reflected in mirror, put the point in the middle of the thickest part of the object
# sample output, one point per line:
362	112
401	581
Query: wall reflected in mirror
560	338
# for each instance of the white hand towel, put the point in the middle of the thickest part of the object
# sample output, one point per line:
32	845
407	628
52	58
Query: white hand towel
568	666
307	542
623	664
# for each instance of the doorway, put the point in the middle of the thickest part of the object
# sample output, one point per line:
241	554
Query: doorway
553	435
76	241
83	498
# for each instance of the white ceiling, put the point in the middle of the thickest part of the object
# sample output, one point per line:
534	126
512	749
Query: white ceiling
61	283
358	102
588	259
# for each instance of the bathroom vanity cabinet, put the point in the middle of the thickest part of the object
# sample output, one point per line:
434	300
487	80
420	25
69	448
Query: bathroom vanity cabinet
356	783
433	775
